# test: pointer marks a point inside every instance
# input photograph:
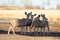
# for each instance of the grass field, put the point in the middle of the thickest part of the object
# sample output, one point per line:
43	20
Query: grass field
52	15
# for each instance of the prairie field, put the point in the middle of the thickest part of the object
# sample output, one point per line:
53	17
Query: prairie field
52	15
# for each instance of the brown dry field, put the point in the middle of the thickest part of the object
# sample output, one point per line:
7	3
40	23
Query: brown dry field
20	37
52	15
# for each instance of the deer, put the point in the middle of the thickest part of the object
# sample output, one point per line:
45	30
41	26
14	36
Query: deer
26	22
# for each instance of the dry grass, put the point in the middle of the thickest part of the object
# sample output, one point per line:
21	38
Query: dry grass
52	15
9	8
54	25
20	37
18	8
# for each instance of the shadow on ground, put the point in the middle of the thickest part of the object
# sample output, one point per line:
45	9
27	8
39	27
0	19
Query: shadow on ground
57	34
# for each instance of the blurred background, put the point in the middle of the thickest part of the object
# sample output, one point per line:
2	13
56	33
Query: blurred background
29	4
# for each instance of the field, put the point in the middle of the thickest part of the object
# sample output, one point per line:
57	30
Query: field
53	18
52	15
20	37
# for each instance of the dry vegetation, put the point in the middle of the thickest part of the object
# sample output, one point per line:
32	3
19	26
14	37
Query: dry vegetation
52	15
18	8
54	26
54	23
9	8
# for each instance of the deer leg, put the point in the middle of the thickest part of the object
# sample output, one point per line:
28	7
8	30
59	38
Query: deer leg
48	30
31	28
40	30
26	28
44	31
22	30
13	30
34	30
37	30
9	29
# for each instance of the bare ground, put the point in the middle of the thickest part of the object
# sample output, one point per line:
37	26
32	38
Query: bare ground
20	37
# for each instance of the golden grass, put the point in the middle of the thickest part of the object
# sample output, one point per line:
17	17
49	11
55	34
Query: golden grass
17	12
54	14
9	8
54	27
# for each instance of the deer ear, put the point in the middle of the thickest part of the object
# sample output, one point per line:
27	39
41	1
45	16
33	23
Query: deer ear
38	15
25	13
44	14
30	13
41	14
35	14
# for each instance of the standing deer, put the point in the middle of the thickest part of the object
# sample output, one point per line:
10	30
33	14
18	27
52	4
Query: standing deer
26	22
37	23
23	22
45	23
13	22
29	22
12	25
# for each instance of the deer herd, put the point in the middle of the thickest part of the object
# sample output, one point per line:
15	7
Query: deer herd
30	21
